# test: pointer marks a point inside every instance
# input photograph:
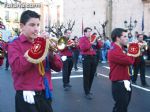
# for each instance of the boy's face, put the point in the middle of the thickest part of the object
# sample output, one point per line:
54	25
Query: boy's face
31	28
88	33
123	40
140	38
68	34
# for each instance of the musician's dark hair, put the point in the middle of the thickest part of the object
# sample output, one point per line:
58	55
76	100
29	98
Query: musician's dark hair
75	37
140	35
87	28
28	14
66	30
117	32
94	34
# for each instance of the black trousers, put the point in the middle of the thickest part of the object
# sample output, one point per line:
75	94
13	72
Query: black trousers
121	97
141	67
75	58
66	71
97	57
89	69
7	63
41	103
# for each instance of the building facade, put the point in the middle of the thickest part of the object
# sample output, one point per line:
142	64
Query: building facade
92	13
95	12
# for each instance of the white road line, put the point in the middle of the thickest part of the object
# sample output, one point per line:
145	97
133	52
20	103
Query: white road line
79	70
136	86
103	75
146	76
138	74
74	76
106	67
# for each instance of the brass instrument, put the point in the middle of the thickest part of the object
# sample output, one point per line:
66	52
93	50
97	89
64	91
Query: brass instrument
57	44
133	49
1	53
137	48
41	47
64	42
143	45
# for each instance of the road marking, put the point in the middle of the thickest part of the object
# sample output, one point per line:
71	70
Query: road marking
138	74
74	76
136	86
106	67
103	75
73	70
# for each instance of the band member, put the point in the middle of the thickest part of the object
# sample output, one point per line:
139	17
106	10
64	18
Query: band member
67	58
76	53
97	44
119	62
2	50
88	61
140	63
33	91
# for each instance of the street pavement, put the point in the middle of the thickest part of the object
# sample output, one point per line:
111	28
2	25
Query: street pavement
74	100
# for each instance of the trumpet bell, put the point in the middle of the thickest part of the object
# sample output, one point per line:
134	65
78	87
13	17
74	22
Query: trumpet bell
53	44
1	53
62	42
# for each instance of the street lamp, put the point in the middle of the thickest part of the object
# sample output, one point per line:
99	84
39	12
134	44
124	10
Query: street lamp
131	24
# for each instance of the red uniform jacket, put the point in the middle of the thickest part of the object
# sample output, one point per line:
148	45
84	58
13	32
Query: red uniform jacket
26	75
68	51
119	63
86	46
99	44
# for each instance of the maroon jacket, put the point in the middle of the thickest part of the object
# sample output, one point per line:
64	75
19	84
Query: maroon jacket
119	63
68	51
26	75
86	46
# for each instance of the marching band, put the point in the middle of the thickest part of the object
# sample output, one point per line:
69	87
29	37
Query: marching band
32	56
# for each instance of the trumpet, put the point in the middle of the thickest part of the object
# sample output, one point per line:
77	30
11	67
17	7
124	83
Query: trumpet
133	49
1	53
41	47
143	45
136	48
56	44
64	42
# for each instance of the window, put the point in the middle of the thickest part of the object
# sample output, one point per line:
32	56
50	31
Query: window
7	15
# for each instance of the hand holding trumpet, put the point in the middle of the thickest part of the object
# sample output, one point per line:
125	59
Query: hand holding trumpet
133	50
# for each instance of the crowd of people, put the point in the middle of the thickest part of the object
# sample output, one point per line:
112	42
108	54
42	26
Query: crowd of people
31	62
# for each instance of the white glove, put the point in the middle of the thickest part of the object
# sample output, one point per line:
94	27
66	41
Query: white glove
127	85
64	58
29	96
